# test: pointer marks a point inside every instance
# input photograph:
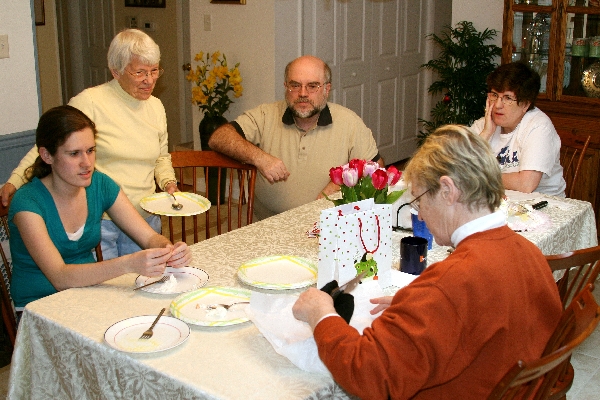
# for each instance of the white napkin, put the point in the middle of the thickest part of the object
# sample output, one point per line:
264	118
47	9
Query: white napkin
272	315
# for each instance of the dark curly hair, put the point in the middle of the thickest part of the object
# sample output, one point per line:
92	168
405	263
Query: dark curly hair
516	77
53	130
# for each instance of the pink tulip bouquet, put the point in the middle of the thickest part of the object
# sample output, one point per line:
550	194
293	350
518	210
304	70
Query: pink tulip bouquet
360	180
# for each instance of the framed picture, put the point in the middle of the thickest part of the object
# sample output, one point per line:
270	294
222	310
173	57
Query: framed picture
228	1
38	10
146	3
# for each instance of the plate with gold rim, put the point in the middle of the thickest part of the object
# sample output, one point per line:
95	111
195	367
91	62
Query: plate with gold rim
160	204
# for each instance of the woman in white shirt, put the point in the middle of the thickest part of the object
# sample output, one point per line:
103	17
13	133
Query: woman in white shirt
521	135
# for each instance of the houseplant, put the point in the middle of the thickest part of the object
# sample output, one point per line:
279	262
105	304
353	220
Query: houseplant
214	83
463	64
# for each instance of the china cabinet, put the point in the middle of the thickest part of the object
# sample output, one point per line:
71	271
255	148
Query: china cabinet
561	40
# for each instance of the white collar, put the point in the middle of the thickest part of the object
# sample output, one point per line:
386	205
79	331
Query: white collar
487	222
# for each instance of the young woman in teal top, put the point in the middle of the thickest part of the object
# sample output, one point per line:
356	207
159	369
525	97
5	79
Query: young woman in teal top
55	219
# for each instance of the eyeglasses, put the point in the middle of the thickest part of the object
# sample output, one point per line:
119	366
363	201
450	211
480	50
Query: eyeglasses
416	203
506	99
141	75
313	87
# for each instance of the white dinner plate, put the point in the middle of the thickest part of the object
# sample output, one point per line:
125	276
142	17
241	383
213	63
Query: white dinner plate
160	204
187	279
191	307
125	335
278	272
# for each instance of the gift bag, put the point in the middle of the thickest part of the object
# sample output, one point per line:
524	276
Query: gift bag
349	234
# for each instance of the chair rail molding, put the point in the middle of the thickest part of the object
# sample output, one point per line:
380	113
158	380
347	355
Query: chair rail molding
12	149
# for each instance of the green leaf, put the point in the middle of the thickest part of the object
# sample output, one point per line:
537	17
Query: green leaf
381	196
394	196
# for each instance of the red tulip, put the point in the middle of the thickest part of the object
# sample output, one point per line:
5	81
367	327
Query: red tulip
380	179
359	165
336	175
393	175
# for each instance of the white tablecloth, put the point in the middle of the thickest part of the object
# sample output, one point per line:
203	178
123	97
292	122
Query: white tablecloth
60	352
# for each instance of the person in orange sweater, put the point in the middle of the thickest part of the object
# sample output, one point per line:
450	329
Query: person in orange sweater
456	329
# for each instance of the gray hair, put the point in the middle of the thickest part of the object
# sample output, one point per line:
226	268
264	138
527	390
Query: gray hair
456	152
131	43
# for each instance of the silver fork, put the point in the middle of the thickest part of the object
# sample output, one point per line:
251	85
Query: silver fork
148	333
161	280
225	306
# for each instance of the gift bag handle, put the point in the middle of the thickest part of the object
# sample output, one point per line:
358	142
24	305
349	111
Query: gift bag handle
378	235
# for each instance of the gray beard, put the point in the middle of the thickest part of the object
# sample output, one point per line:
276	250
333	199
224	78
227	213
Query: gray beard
306	114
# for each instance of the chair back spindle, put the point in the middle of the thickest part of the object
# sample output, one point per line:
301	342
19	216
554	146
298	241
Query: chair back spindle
190	167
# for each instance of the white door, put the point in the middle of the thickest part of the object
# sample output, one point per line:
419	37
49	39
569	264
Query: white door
86	29
375	49
97	20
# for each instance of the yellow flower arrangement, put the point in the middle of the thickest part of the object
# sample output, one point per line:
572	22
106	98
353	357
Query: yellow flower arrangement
214	80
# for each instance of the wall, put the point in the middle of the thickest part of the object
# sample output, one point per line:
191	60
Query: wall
483	14
245	34
19	102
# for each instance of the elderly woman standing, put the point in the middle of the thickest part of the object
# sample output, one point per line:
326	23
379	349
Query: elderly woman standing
522	137
456	329
132	133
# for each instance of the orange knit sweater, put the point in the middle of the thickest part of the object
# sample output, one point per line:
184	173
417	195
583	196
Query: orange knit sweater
455	330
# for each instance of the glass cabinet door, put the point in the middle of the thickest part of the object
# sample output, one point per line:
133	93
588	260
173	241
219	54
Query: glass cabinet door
560	39
582	49
531	41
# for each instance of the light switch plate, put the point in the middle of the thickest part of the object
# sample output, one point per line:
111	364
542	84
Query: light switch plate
4	46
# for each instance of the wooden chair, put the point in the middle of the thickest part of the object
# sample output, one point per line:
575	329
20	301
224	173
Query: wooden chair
581	268
8	310
190	166
535	379
573	150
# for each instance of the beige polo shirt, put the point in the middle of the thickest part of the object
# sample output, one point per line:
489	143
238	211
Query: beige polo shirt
340	135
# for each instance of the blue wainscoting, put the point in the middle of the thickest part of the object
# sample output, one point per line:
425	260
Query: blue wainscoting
12	148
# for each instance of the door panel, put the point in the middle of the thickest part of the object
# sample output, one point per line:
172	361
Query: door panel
413	54
375	50
354	26
97	16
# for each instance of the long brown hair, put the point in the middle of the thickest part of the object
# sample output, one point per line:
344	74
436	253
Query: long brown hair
53	130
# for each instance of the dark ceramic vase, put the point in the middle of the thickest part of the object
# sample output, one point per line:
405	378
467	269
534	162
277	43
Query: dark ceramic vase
207	126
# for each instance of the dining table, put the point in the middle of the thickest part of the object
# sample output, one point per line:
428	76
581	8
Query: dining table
60	350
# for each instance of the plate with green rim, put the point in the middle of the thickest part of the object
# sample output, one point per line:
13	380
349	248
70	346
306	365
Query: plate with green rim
192	307
278	272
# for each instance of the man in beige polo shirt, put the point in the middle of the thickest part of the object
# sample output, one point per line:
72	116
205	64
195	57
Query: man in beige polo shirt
295	142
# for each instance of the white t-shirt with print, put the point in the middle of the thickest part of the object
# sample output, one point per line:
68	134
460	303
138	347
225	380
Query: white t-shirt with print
534	145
